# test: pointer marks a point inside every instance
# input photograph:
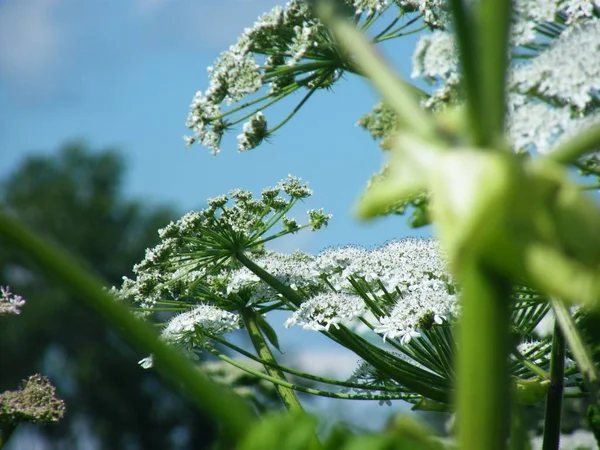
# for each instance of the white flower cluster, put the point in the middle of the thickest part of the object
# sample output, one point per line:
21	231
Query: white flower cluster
569	71
322	311
435	12
272	53
436	58
254	132
292	270
535	124
10	303
195	246
191	328
531	16
554	92
408	278
369	6
565	83
284	34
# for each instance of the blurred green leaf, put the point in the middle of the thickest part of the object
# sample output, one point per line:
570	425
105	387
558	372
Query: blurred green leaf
293	431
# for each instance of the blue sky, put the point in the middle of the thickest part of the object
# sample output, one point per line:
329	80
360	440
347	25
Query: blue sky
122	74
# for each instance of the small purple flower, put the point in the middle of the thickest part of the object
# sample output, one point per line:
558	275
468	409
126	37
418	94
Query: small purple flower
9	302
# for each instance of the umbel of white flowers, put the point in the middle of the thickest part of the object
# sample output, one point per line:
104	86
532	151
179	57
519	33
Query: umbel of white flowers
271	54
407	280
553	93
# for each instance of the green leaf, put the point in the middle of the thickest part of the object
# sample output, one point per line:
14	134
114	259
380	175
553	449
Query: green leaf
268	331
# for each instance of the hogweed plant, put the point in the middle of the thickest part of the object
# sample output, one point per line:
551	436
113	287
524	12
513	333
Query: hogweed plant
487	155
505	264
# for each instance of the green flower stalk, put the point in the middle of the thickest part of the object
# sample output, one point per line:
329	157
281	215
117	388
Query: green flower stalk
552	420
287	396
482	370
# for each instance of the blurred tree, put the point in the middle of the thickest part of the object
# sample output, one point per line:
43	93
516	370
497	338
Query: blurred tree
75	199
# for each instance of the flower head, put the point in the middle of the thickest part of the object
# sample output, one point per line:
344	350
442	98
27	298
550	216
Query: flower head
192	328
255	131
324	310
35	401
10	303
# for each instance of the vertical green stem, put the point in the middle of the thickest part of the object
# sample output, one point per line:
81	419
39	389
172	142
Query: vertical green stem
519	437
580	352
6	431
555	391
584	360
287	395
482	371
493	21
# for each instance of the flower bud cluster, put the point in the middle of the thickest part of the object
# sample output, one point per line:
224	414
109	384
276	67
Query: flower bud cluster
10	303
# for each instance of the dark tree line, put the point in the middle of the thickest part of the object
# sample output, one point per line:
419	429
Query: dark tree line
76	199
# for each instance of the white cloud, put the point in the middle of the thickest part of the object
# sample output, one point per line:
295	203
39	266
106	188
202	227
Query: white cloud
30	38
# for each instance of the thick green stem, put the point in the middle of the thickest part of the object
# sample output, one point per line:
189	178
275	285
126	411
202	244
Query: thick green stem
482	371
491	41
519	439
555	391
287	395
580	352
586	365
